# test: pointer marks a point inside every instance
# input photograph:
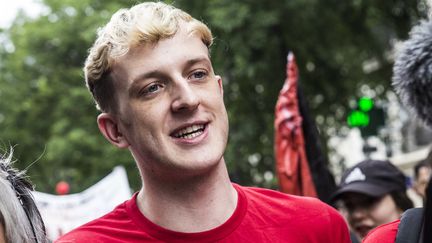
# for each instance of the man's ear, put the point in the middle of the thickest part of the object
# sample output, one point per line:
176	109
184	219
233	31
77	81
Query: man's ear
109	127
219	80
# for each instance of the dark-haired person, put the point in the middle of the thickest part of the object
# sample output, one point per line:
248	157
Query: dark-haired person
422	175
152	78
371	193
20	221
413	227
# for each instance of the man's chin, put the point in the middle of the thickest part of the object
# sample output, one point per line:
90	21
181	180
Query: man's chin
361	232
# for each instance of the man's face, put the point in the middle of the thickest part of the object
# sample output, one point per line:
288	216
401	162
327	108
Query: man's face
364	212
420	184
171	109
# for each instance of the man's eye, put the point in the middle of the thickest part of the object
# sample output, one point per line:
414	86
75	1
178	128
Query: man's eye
152	88
349	206
199	75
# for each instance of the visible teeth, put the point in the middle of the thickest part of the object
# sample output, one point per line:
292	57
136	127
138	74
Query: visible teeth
190	132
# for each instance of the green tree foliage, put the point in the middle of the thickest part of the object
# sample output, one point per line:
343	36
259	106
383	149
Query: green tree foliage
47	112
46	109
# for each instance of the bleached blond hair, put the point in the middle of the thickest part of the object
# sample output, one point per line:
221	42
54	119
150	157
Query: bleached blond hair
143	24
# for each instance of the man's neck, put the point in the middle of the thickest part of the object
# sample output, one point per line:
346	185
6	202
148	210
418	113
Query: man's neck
194	205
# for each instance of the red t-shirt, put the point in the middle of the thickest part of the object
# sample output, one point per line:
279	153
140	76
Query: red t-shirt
385	233
261	215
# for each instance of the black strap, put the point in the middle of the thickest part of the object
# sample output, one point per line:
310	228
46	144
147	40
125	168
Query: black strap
410	226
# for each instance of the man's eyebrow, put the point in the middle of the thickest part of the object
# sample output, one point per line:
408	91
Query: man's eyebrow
197	60
135	84
146	75
157	74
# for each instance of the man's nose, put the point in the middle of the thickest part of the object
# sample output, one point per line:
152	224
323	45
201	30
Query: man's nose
185	97
359	212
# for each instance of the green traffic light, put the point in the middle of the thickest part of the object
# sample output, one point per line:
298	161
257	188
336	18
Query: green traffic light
358	119
365	104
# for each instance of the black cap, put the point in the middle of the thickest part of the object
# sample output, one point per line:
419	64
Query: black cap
371	177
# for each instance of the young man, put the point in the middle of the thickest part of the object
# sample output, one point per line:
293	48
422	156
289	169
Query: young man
371	193
151	76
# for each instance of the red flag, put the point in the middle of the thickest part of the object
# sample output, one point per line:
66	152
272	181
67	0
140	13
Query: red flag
291	162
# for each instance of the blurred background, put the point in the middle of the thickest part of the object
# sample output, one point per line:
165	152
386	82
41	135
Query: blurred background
344	50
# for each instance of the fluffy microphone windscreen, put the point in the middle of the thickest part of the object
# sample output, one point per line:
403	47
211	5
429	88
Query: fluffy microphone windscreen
412	71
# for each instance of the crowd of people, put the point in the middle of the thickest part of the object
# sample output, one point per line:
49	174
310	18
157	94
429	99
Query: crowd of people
151	76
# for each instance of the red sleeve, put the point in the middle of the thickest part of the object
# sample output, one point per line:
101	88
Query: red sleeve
385	233
339	227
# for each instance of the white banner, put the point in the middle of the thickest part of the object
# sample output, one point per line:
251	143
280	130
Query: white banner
64	213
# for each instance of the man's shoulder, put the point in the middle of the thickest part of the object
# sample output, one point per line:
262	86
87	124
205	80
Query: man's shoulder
269	196
294	215
290	206
383	233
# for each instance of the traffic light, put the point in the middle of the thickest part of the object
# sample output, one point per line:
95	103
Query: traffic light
367	117
358	119
365	104
360	116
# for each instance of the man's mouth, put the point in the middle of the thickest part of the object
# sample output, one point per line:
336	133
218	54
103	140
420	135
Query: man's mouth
363	230
190	132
